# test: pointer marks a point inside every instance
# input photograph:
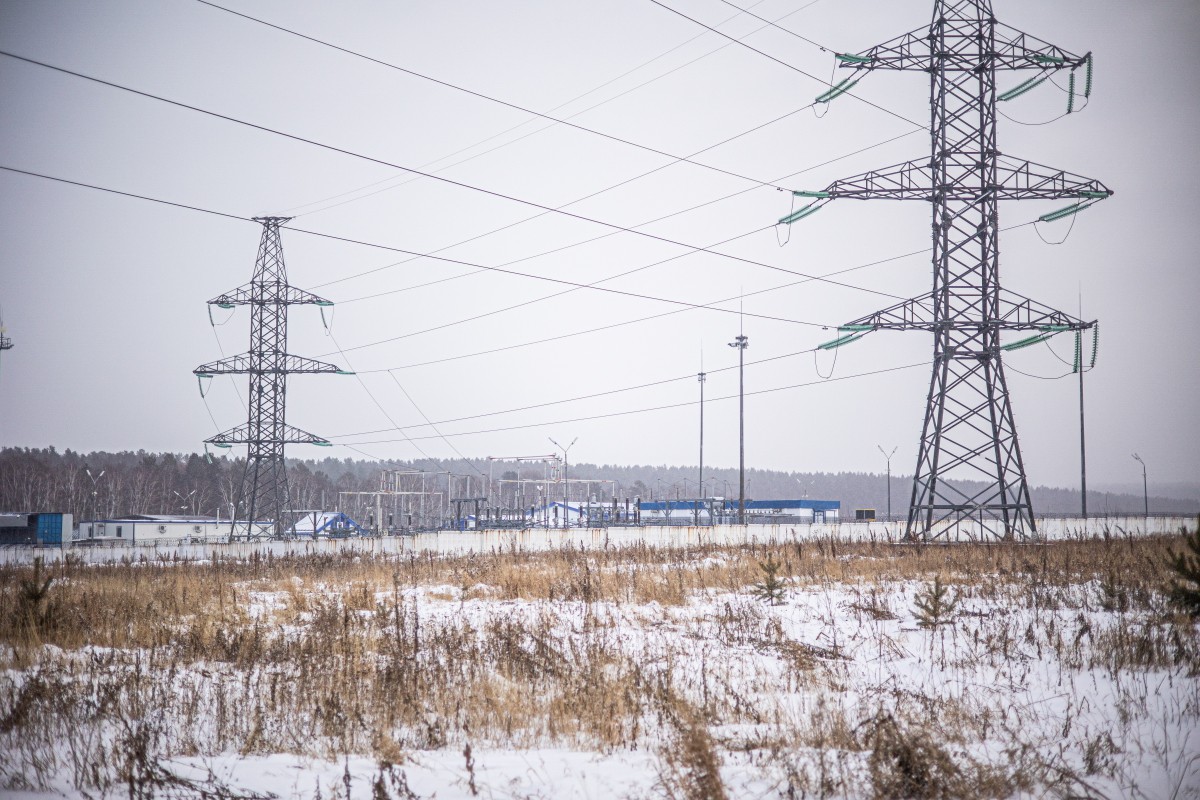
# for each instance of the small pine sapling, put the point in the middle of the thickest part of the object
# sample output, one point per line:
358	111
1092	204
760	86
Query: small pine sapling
34	594
1184	588
771	588
934	605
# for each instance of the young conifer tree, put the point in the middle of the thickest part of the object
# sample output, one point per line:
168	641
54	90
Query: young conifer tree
771	588
1184	588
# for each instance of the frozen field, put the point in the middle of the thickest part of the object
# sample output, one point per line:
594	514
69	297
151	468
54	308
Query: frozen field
1045	670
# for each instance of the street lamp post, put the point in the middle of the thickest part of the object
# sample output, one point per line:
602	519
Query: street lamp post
741	343
186	499
95	495
566	483
888	456
1145	488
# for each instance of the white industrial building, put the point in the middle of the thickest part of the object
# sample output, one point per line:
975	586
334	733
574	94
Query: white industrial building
149	528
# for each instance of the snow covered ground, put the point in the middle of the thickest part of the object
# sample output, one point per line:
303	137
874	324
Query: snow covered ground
1037	672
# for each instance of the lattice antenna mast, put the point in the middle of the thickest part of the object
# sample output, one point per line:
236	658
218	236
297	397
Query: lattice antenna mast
969	435
263	495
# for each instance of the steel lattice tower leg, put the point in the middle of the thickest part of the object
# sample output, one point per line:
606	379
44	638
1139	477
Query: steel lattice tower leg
969	431
970	478
264	490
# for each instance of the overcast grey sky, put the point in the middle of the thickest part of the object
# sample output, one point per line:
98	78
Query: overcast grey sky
105	295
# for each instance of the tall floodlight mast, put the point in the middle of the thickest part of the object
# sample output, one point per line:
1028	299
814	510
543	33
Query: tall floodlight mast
263	495
969	435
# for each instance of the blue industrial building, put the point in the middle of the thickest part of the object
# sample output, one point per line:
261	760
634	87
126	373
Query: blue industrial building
38	530
706	511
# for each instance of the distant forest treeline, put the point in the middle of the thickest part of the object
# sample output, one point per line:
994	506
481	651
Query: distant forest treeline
170	483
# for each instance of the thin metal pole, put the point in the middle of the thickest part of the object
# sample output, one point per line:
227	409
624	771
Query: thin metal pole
700	377
888	456
741	343
1082	435
741	437
1145	486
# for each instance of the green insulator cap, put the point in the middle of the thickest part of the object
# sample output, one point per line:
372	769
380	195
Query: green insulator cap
1026	342
807	193
835	91
799	215
1022	88
850	58
840	341
1063	212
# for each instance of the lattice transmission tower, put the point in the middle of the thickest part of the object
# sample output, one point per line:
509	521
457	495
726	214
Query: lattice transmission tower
263	495
969	435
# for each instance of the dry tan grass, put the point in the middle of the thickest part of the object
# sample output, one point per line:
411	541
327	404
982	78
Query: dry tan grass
340	653
145	603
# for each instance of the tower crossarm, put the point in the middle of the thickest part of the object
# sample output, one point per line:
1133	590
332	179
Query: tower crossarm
1014	312
1011	49
1016	179
911	180
1019	313
286	295
243	434
1016	49
907	51
244	364
1026	180
916	313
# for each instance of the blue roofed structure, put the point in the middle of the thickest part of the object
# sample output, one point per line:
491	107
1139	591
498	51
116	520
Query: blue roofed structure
706	511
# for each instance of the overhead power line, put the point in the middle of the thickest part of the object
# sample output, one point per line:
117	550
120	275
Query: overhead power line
792	67
613	325
774	24
691	376
641	410
480	95
550	125
635	295
713	201
805	278
371	159
687	306
576	284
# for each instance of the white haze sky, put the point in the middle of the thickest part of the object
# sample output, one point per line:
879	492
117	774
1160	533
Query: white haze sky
104	295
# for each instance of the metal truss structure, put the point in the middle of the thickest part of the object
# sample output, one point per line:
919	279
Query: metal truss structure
969	435
263	496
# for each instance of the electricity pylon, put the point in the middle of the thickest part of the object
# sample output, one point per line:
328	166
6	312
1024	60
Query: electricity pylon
969	434
264	491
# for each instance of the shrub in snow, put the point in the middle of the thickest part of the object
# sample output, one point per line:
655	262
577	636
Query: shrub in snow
1184	589
934	606
771	588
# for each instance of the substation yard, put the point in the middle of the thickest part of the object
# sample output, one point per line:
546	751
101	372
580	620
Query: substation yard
1052	669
